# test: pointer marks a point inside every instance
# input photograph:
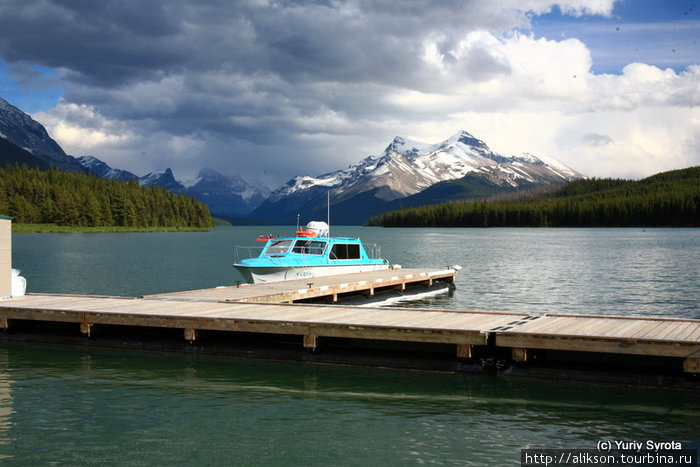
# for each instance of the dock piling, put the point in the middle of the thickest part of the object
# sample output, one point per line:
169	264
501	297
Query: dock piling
464	351
190	335
310	341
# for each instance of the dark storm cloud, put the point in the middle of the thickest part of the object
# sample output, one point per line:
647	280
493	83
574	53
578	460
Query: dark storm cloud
103	45
268	73
121	41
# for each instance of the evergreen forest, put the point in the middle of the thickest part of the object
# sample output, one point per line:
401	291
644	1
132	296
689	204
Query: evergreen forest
668	199
32	196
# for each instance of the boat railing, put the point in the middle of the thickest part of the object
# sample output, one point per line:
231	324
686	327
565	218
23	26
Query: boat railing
246	252
374	251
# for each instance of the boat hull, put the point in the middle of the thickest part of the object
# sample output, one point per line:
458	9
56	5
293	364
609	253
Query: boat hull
261	274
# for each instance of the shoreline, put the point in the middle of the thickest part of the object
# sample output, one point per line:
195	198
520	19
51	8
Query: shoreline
54	228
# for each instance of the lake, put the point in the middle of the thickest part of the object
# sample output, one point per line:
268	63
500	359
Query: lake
646	272
64	405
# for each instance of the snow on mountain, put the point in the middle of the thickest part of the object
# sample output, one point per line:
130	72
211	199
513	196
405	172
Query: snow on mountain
210	179
23	131
101	169
407	167
164	178
226	194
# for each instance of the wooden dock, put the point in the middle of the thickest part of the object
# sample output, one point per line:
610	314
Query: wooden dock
329	288
274	310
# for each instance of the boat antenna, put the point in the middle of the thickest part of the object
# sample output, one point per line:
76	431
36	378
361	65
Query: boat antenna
297	222
328	214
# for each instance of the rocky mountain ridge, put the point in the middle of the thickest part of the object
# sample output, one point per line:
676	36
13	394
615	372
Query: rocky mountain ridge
404	170
25	132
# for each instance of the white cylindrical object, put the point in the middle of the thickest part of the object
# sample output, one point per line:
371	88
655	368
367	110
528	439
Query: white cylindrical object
19	284
318	227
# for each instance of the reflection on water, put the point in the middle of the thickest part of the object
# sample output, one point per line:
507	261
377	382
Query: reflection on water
5	406
87	406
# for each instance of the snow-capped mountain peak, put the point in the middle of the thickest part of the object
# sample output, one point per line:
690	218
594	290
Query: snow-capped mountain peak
461	137
408	147
103	170
164	178
407	167
210	181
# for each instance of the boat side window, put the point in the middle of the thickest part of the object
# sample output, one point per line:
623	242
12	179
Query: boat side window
345	251
309	247
278	247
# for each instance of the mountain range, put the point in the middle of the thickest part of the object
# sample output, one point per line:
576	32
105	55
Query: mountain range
408	173
225	195
24	140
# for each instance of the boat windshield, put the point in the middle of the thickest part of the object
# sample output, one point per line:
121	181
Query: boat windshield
309	247
278	247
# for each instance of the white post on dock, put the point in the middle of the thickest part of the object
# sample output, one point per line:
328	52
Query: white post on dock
5	256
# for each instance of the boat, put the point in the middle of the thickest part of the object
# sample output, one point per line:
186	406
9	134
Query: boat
310	252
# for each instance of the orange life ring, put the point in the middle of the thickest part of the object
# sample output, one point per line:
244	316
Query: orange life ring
306	233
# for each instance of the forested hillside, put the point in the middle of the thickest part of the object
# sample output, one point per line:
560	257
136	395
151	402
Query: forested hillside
66	198
669	199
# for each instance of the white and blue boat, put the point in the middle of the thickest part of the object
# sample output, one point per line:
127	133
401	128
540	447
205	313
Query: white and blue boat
311	252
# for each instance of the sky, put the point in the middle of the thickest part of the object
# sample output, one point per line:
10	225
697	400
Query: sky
272	89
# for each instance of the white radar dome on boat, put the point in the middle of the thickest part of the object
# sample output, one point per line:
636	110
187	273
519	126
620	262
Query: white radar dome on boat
318	227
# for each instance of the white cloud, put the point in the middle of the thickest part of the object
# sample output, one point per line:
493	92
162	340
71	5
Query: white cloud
645	120
80	129
291	89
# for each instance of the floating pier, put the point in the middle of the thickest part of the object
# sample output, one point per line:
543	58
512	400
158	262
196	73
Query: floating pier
370	286
307	320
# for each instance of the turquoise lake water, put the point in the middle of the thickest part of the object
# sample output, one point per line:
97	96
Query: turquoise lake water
64	405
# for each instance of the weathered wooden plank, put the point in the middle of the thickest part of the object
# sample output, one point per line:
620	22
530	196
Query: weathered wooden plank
695	335
631	330
544	324
484	322
662	330
686	332
602	327
575	326
603	345
634	329
606	327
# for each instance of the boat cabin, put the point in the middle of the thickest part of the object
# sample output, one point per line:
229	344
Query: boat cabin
340	248
311	252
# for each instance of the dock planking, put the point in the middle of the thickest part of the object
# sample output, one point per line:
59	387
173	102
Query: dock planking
666	337
307	320
329	287
271	309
